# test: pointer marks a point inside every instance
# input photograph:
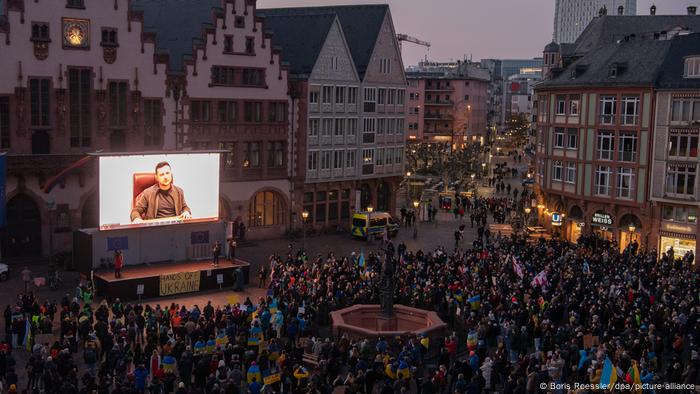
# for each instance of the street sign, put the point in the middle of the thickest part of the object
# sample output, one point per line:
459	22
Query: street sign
219	279
139	289
556	219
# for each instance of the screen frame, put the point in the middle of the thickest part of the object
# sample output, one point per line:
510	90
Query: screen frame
174	222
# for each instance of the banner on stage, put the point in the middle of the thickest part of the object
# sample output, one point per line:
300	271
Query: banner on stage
182	282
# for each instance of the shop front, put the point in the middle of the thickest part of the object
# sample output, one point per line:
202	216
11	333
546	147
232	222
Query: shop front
681	237
574	224
630	230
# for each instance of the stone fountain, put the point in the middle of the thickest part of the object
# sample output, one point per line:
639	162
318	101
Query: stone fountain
386	319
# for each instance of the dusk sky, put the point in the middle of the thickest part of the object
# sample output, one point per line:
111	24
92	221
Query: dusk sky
480	28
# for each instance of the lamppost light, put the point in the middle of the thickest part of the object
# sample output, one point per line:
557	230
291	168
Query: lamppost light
370	208
416	204
305	214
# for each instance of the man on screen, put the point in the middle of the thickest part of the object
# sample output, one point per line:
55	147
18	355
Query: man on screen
162	200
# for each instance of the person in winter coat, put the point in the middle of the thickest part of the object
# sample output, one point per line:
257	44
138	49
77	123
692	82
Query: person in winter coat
486	369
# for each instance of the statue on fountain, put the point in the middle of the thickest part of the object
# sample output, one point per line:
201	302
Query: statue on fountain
387	285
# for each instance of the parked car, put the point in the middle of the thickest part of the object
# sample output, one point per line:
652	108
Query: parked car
4	272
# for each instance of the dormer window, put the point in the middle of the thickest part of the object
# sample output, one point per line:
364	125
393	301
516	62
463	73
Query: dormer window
692	67
612	72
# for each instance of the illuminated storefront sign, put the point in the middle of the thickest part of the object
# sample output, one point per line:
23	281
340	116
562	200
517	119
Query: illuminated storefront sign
601	219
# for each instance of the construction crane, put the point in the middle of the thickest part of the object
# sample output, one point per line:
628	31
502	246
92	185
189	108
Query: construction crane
405	37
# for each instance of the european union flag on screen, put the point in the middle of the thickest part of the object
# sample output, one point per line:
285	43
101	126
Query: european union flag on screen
117	243
3	171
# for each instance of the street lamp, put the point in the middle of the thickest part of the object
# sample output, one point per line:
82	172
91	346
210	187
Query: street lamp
416	204
304	216
408	186
632	228
369	222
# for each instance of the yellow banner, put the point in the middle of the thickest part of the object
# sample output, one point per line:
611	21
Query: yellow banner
182	282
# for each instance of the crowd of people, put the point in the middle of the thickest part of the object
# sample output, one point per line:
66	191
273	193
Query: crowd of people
521	316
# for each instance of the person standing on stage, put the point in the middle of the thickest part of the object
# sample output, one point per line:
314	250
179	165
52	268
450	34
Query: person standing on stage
118	263
216	252
232	249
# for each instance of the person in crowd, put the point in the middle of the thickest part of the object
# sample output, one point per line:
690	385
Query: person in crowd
523	314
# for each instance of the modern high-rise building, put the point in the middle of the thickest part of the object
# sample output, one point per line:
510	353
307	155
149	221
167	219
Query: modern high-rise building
572	16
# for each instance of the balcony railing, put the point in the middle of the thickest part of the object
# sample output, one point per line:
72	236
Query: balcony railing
433	116
439	102
439	88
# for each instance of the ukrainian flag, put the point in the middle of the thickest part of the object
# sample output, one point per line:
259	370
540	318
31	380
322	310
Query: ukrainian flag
404	371
199	347
254	372
475	302
609	375
211	346
221	339
361	261
169	364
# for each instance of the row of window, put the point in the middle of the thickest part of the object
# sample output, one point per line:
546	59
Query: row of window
564	171
327	204
80	100
608	108
679	214
40	32
683	144
228	111
565	138
238	76
338	159
626	142
249	41
603	181
680	180
328	94
251	154
348	126
685	110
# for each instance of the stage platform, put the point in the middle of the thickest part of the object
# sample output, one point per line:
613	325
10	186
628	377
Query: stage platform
167	279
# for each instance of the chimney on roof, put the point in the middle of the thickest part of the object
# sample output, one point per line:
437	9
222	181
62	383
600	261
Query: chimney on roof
652	10
620	10
603	11
692	10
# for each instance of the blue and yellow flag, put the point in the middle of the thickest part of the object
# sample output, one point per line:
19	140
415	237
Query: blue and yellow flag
609	375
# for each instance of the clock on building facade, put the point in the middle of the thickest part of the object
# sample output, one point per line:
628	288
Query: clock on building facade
76	33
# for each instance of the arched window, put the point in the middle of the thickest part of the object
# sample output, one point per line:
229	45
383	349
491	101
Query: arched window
266	209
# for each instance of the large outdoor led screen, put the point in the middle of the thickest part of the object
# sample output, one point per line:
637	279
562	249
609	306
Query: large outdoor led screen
158	189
